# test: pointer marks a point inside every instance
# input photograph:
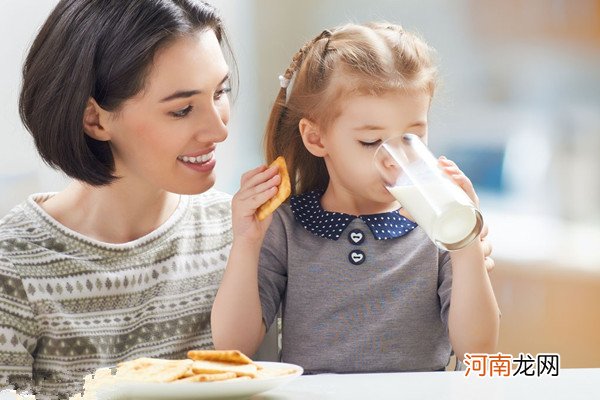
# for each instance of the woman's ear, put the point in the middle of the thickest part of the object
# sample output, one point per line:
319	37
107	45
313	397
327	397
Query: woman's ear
93	115
312	138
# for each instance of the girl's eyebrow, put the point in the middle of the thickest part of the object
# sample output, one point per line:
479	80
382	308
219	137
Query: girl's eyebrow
189	93
418	124
371	127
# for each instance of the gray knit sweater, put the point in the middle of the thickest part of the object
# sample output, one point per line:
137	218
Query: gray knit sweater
70	304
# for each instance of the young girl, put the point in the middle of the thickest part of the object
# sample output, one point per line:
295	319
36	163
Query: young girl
354	297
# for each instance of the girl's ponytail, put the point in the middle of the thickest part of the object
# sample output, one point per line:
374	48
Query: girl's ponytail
282	136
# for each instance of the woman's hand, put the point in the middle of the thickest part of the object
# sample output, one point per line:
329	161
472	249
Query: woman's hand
452	170
256	187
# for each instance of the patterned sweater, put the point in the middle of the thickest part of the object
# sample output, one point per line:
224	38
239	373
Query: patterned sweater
70	304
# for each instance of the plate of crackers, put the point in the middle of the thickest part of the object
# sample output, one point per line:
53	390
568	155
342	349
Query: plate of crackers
205	374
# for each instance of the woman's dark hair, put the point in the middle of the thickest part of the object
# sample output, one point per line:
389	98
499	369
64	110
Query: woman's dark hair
101	49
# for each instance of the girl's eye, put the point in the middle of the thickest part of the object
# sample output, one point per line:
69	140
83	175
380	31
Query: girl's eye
369	144
183	112
221	92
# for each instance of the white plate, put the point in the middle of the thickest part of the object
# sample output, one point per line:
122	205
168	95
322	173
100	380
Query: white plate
199	390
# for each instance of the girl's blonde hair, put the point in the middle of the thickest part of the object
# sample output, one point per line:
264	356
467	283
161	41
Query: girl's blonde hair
365	59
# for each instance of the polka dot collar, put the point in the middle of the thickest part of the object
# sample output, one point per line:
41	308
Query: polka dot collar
308	212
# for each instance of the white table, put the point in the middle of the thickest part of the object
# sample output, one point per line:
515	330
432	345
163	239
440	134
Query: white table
570	384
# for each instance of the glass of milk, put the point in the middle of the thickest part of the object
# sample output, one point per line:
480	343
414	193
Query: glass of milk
412	175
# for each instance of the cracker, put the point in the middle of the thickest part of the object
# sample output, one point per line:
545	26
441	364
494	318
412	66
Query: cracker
283	191
239	378
213	367
274	372
153	370
222	376
232	356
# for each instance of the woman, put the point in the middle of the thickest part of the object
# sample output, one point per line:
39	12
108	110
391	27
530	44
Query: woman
130	99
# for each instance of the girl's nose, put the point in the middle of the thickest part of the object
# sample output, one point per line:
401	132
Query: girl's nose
391	171
390	163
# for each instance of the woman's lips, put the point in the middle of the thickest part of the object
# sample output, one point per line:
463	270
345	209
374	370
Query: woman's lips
206	166
199	159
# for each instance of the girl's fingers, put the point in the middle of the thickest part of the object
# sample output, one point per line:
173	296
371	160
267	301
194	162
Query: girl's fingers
443	160
460	178
261	187
249	174
486	245
256	176
466	185
259	177
258	199
487	248
452	170
489	264
248	206
484	232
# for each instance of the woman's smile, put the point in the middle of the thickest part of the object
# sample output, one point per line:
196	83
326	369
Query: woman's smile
200	158
203	163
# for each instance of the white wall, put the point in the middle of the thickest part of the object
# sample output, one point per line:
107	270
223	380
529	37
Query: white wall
21	170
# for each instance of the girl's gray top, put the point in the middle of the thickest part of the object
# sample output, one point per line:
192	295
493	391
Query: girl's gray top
358	293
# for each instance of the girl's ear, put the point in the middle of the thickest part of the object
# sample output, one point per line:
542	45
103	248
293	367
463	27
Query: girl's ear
312	138
93	116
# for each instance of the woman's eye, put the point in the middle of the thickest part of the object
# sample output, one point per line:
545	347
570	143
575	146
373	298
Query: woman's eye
369	144
182	113
221	92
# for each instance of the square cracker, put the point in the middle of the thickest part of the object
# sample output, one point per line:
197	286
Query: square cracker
153	370
208	377
214	367
232	356
274	372
283	191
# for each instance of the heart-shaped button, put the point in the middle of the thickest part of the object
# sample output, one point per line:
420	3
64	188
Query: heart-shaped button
356	236
357	257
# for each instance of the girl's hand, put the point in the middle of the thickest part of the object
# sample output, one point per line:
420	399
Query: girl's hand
487	249
256	187
452	170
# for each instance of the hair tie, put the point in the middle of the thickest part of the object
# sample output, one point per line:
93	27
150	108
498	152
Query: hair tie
283	82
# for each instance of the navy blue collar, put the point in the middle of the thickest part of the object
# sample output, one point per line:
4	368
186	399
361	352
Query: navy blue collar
308	212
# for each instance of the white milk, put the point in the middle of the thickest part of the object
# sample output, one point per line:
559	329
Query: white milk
450	222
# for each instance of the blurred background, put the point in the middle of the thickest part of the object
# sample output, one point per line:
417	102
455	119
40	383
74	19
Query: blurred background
518	110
